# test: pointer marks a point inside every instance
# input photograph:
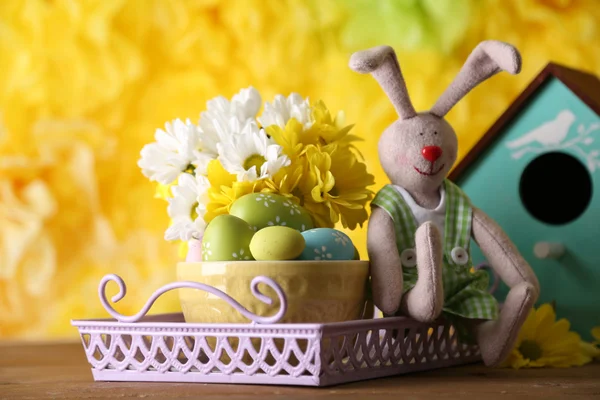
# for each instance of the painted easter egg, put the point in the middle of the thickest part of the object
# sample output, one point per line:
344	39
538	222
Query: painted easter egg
227	238
356	254
261	210
327	244
277	243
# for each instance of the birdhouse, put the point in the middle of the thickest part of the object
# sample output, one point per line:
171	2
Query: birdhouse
537	173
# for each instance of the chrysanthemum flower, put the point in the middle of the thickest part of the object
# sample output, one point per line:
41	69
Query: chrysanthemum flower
282	109
335	188
187	208
545	342
290	138
593	349
329	131
251	155
286	181
225	189
173	152
245	104
590	350
324	131
224	118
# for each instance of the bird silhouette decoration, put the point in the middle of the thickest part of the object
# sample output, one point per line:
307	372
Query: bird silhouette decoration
550	133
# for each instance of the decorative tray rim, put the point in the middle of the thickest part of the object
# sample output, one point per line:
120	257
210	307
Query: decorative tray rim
165	348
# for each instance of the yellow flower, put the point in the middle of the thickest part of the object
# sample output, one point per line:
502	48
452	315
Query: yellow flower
325	132
335	187
592	348
324	176
286	181
290	139
545	342
225	189
596	334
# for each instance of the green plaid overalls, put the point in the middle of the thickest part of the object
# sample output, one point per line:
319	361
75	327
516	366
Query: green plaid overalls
465	292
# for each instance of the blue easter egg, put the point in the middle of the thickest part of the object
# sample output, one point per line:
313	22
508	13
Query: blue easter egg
326	244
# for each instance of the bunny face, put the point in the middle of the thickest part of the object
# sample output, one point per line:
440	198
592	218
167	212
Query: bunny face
418	150
417	153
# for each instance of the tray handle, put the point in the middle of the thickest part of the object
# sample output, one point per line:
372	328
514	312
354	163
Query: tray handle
199	286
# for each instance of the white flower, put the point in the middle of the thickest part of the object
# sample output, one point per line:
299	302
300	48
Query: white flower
187	208
173	152
223	118
202	158
245	104
251	155
283	109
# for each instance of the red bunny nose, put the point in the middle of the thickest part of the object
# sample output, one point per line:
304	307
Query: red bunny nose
431	153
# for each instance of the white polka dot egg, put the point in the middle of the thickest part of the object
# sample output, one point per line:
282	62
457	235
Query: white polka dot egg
261	210
326	244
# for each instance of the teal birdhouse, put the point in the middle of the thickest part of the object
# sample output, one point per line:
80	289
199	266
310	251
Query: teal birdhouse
537	173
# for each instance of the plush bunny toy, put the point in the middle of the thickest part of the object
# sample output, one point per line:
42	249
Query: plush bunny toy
421	224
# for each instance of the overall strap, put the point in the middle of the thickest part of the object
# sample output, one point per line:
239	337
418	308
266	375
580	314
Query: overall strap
389	199
459	214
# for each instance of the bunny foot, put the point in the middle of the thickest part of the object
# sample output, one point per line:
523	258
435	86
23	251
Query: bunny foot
497	338
424	302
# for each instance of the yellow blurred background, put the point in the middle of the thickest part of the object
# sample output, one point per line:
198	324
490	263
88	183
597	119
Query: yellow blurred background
84	85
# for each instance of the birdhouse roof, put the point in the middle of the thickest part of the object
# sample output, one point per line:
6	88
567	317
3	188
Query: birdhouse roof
584	85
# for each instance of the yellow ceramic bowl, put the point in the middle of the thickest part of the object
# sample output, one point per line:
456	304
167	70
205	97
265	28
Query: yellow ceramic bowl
317	291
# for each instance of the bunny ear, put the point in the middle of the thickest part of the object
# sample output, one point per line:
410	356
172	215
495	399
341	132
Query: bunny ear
488	58
382	63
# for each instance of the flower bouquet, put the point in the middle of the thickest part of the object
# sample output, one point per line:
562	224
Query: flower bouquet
262	194
294	149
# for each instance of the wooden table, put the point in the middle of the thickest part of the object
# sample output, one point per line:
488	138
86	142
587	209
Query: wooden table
60	371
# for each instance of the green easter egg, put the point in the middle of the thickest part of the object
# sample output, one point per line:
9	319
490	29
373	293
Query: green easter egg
356	254
227	238
261	210
277	243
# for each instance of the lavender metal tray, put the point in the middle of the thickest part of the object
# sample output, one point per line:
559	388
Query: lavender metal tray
167	349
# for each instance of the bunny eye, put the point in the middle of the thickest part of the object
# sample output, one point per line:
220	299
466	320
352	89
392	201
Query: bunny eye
435	132
421	133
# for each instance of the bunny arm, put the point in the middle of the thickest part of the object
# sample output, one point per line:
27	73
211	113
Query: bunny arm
496	338
500	251
384	260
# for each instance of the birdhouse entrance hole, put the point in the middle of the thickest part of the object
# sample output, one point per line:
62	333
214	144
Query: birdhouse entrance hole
555	188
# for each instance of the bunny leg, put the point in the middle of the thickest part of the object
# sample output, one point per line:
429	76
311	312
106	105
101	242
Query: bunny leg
496	338
424	302
384	261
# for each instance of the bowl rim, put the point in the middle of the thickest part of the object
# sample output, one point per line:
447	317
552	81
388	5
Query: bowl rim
328	262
